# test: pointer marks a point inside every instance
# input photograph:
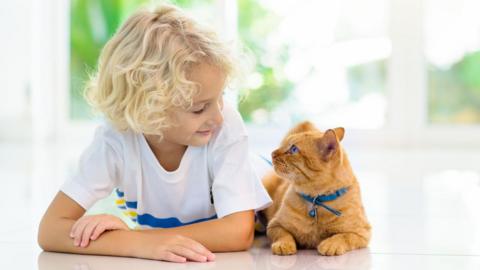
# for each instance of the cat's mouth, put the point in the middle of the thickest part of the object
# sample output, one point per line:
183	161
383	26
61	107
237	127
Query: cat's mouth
280	166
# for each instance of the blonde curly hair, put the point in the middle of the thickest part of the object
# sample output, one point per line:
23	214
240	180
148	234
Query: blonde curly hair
142	70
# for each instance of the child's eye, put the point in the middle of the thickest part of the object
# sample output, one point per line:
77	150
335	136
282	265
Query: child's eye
293	149
199	111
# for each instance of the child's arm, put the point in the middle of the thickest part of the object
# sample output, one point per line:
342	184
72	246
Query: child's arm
54	230
55	227
234	232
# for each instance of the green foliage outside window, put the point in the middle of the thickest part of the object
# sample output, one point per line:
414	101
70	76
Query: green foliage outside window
454	93
453	96
367	78
254	25
93	22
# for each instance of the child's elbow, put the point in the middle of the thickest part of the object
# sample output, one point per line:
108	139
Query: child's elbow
242	230
245	237
47	235
42	237
248	240
43	243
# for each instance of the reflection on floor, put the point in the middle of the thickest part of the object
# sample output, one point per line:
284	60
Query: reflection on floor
422	205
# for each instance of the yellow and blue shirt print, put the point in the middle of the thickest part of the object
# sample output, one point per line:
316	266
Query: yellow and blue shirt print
129	208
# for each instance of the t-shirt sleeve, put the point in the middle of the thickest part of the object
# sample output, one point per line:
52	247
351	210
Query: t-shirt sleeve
97	173
236	185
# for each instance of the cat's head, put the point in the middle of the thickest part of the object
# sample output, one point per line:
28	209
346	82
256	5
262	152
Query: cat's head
309	155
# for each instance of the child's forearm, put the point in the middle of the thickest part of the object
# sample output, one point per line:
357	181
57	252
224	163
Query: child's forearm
55	237
231	233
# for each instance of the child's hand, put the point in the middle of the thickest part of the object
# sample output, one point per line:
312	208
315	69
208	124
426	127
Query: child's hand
91	227
173	248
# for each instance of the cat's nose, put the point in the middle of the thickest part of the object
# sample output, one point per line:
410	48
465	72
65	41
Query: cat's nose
275	154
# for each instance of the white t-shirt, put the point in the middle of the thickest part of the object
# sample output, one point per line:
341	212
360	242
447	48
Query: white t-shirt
154	197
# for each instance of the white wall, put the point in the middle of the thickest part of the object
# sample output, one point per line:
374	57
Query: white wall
14	69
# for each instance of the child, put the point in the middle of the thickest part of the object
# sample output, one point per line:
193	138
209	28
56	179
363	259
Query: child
175	154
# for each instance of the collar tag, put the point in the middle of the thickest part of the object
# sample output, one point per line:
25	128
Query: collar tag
320	199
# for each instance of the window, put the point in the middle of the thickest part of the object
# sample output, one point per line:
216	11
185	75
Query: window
452	30
393	72
323	60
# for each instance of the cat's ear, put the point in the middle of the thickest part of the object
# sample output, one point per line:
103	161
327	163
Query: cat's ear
340	132
328	145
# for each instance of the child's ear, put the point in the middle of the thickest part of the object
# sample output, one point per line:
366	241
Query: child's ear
299	128
328	145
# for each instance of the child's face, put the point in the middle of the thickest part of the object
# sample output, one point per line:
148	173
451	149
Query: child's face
196	125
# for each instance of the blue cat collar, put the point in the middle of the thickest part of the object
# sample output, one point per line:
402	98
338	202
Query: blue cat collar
320	199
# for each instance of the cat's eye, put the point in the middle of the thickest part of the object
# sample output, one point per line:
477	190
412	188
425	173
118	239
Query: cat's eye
293	149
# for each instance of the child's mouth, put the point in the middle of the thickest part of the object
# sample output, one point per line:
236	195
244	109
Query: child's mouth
204	132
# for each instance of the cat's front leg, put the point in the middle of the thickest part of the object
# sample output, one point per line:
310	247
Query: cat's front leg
341	243
283	242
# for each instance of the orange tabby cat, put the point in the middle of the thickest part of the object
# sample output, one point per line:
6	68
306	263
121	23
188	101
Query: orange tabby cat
316	197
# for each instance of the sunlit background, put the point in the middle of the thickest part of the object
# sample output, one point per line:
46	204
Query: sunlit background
391	72
402	76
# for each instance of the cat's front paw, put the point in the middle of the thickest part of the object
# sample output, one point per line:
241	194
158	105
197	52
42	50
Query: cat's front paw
284	248
333	246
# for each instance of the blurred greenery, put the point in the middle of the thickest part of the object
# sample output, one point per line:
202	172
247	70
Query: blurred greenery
94	22
454	93
255	23
367	78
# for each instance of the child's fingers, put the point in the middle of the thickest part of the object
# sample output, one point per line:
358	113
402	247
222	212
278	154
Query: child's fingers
75	226
77	233
87	232
198	248
171	257
99	229
188	253
211	257
72	230
91	227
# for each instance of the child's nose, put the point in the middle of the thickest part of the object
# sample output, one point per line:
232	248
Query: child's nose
218	117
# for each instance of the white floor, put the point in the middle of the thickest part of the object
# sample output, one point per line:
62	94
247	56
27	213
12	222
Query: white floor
423	206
